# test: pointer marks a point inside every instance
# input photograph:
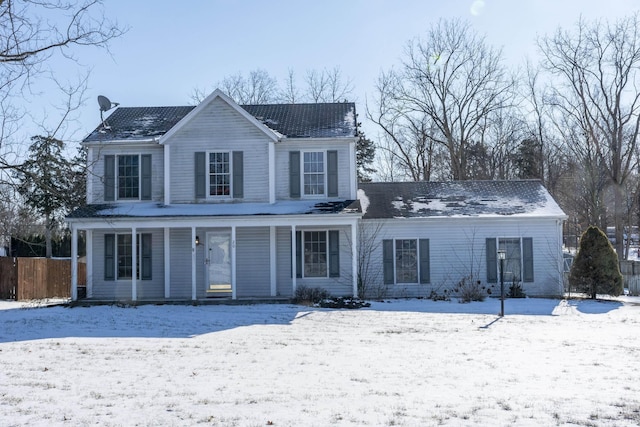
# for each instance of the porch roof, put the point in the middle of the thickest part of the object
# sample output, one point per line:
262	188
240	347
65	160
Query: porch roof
159	210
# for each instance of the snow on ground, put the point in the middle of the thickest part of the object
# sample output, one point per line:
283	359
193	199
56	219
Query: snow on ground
404	362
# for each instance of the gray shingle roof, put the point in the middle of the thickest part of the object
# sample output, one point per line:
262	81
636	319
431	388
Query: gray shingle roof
138	123
307	120
456	198
290	120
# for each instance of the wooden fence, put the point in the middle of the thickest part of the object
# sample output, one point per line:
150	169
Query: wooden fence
37	278
631	272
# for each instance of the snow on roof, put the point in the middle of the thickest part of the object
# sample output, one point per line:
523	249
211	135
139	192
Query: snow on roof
290	207
458	199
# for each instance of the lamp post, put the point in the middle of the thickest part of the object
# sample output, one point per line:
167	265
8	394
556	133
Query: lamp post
501	256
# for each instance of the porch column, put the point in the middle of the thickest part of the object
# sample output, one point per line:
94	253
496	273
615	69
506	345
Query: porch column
134	265
272	260
193	263
167	263
354	258
294	262
89	262
234	292
74	263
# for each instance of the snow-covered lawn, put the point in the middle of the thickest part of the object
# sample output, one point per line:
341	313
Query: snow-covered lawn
413	363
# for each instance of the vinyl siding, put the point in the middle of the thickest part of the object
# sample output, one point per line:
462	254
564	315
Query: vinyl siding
282	164
457	249
121	289
96	169
252	265
219	128
180	252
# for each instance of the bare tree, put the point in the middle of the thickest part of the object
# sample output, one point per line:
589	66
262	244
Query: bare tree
328	86
450	83
595	74
31	33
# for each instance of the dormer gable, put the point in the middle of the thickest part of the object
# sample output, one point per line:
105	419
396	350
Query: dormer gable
218	94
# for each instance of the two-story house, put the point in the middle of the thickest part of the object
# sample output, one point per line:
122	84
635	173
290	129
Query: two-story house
220	200
223	200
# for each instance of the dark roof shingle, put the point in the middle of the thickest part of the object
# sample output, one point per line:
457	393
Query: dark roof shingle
456	198
291	120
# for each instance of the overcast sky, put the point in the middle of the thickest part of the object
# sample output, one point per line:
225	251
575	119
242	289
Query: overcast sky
173	47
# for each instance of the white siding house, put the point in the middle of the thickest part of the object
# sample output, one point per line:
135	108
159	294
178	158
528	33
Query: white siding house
229	201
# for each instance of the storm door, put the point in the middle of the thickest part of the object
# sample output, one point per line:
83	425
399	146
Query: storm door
218	261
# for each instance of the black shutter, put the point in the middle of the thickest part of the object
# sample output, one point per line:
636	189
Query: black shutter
332	173
298	254
294	174
527	259
334	253
109	178
425	268
238	175
145	176
492	261
200	175
145	261
109	256
387	261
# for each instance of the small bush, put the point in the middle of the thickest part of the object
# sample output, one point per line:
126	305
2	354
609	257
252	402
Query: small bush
469	290
343	302
515	291
307	295
435	296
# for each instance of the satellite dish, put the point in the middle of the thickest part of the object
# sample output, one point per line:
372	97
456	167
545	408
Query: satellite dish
105	105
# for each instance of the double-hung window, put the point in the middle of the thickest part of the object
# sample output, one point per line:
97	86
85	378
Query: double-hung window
318	253
313	173
127	177
219	174
118	257
406	261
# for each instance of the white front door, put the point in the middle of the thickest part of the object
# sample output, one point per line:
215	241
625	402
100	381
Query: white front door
218	259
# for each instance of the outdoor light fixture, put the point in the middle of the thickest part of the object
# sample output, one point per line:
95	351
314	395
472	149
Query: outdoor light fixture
502	255
197	240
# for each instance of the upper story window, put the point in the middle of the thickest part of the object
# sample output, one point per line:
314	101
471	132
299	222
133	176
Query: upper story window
219	174
314	176
127	177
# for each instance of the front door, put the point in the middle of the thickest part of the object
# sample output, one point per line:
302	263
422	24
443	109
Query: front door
218	260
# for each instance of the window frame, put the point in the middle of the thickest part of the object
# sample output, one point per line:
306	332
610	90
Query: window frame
144	256
208	174
304	254
419	273
404	269
303	174
510	259
117	177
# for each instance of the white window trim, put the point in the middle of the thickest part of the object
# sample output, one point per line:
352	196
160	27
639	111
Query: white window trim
208	175
117	176
521	256
324	173
395	265
138	267
326	260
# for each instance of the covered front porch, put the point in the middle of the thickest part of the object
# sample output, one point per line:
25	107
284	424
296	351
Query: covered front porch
216	257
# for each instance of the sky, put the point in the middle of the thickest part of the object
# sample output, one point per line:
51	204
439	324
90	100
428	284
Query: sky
169	51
